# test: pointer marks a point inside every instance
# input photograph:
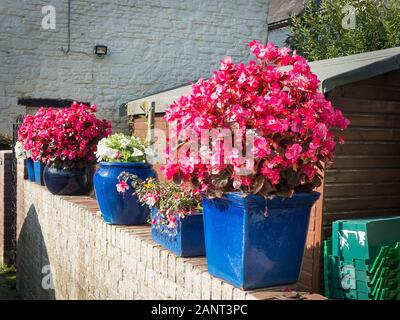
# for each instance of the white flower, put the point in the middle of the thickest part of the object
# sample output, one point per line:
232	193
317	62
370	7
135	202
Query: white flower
104	151
19	150
124	142
110	153
116	146
137	153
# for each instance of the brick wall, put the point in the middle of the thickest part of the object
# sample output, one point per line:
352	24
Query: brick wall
92	260
6	214
139	127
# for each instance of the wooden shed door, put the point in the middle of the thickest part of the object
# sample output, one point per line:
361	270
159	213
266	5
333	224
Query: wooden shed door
365	178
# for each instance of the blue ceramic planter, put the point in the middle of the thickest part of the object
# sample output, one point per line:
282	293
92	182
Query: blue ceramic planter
186	241
116	208
71	182
30	169
252	250
38	168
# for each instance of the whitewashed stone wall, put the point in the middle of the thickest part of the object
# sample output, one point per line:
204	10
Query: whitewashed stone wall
154	44
279	36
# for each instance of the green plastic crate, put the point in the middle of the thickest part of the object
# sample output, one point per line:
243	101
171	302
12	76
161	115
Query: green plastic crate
347	274
387	273
347	283
363	238
349	295
393	285
363	279
393	255
355	269
387	294
327	253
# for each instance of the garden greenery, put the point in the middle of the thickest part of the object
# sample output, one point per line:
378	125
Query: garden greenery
323	32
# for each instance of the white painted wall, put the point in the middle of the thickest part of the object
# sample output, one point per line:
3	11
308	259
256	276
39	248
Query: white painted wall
155	45
279	36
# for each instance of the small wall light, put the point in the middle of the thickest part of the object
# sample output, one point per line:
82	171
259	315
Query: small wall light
101	51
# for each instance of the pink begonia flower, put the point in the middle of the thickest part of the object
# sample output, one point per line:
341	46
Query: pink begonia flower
309	171
293	152
271	174
293	119
261	147
226	63
68	133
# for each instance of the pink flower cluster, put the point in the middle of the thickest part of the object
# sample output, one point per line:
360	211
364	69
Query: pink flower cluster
168	201
275	95
59	135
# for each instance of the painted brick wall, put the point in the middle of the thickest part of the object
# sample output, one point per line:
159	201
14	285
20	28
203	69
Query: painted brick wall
92	260
139	127
154	44
6	214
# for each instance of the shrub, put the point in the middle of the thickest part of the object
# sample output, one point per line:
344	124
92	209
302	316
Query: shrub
317	33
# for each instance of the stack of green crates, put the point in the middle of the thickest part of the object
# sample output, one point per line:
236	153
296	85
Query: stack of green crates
362	259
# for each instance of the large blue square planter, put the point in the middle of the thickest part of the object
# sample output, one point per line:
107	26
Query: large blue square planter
188	238
30	169
251	249
38	170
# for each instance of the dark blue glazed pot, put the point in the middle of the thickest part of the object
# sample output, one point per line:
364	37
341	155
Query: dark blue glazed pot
252	250
115	207
38	168
188	238
71	182
30	169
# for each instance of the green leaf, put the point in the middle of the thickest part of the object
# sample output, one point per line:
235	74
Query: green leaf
219	181
211	194
258	183
267	189
177	178
293	178
317	181
286	193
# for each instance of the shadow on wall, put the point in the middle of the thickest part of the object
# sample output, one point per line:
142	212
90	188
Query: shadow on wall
34	276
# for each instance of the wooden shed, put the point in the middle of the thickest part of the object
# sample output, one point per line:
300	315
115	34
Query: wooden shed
365	178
